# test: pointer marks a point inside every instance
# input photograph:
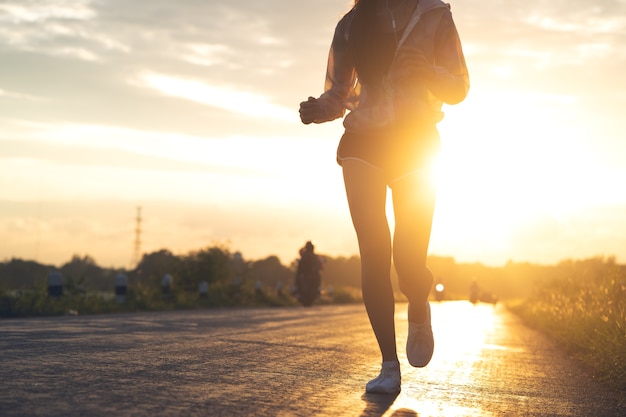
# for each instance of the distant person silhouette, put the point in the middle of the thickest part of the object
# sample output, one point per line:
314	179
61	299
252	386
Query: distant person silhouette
392	63
309	265
474	292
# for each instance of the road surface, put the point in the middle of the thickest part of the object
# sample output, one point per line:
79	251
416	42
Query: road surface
285	362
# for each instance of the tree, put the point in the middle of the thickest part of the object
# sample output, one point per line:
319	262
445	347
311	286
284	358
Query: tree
83	271
19	274
211	265
153	266
342	271
270	271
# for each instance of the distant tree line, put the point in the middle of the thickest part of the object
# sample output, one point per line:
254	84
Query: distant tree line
214	265
209	277
219	267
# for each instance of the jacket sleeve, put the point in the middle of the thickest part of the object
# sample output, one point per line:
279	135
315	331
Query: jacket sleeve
451	81
341	87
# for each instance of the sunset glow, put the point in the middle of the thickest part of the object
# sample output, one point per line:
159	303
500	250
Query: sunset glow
109	106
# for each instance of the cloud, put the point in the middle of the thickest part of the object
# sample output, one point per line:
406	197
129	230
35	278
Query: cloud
89	157
552	34
38	26
114	147
207	54
19	96
206	74
227	98
43	10
245	58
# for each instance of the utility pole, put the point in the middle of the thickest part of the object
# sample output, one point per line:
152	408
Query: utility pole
137	252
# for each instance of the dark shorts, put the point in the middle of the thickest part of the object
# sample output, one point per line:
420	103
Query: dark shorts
397	153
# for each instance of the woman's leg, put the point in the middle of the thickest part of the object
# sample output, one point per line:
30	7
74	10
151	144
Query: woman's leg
366	190
414	204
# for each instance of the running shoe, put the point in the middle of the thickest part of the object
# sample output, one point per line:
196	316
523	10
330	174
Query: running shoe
420	343
387	382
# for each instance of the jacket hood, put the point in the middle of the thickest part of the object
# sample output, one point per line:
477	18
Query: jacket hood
425	5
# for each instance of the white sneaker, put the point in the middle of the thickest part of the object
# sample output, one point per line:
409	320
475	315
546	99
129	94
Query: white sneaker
387	382
420	343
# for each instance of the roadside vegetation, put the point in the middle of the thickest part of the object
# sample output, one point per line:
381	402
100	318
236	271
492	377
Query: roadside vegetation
212	277
583	308
580	304
228	279
37	302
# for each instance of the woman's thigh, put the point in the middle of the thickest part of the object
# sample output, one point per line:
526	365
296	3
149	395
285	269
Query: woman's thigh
366	191
413	203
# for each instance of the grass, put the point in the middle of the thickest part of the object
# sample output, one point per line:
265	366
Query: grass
584	310
37	302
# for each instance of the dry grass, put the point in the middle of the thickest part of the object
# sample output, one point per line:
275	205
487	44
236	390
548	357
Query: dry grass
584	309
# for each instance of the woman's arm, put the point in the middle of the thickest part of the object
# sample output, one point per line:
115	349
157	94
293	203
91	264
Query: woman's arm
340	82
450	81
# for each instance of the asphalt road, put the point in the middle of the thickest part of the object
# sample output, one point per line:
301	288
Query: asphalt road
285	362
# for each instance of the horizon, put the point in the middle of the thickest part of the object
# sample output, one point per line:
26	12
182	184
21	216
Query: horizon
106	107
287	263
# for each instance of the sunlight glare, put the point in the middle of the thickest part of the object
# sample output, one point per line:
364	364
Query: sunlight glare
238	168
473	324
498	172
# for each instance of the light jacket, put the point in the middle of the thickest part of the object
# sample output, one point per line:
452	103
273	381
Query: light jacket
436	35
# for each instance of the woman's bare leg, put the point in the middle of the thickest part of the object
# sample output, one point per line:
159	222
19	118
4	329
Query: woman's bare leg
366	191
414	204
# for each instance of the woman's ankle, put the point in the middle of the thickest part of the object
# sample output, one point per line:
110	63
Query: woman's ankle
417	313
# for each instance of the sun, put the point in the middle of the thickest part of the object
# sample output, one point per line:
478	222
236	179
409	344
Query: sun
505	167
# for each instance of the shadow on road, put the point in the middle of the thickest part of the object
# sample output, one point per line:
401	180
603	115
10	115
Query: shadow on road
376	405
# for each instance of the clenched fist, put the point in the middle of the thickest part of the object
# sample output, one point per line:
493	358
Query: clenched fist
309	110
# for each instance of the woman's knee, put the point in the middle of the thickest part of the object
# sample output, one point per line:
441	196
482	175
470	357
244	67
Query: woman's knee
415	282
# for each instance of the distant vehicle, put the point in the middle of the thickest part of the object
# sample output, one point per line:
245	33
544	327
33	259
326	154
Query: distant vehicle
308	283
440	291
307	289
478	295
474	292
489	298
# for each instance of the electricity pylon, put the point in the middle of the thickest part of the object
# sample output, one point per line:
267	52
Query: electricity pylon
137	252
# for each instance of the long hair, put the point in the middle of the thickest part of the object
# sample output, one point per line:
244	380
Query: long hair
356	2
363	21
365	42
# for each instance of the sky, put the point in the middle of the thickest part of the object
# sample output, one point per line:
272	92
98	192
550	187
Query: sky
188	110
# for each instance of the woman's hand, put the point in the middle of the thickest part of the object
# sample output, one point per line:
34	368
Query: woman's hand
411	66
309	110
